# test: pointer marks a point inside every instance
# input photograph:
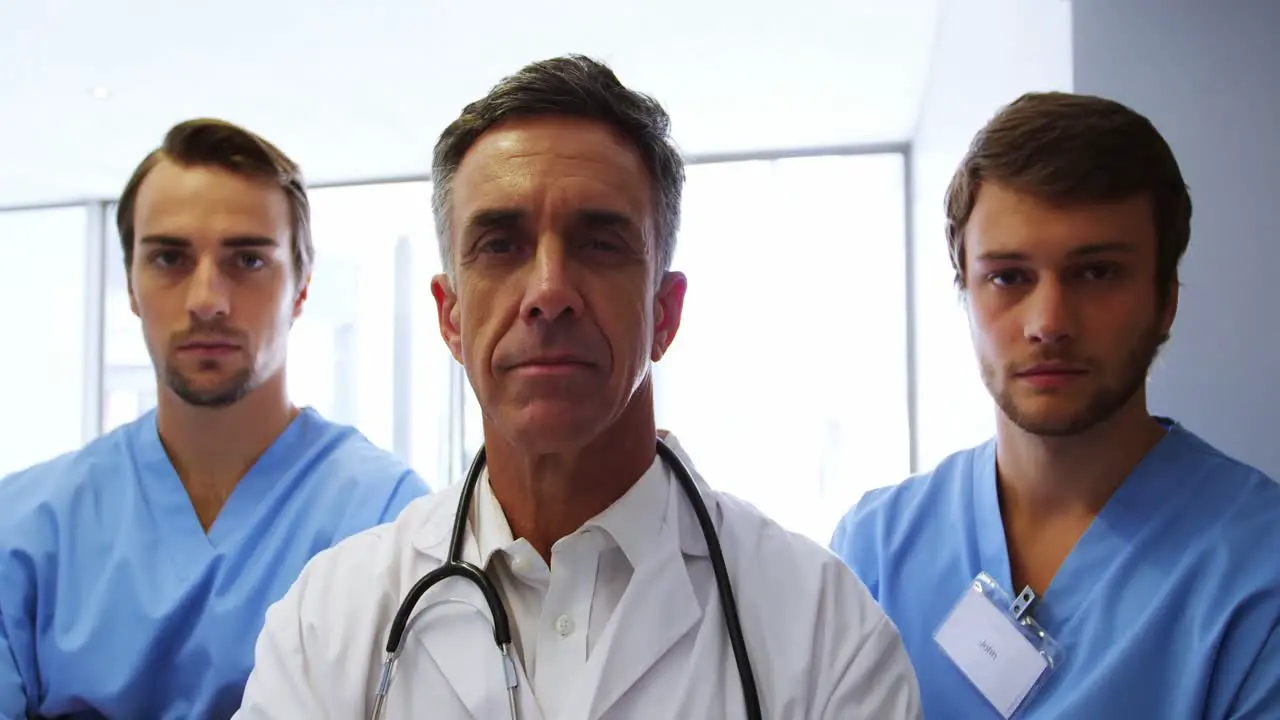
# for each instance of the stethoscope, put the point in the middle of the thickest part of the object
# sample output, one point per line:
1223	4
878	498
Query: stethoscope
455	566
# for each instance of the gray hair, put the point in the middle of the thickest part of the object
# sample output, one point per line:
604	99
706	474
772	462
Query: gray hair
572	86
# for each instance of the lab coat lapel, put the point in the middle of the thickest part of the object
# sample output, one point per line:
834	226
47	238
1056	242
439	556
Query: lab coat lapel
454	625
657	610
455	628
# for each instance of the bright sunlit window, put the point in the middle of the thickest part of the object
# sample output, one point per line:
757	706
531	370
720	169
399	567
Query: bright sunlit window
128	380
367	351
787	382
43	370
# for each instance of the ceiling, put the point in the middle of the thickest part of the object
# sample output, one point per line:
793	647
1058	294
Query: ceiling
358	91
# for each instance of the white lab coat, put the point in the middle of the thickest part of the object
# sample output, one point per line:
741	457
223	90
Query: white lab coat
820	646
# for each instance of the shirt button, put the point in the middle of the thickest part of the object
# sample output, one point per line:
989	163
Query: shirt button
519	563
564	625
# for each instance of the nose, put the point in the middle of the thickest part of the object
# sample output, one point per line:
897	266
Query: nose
1049	315
551	291
207	293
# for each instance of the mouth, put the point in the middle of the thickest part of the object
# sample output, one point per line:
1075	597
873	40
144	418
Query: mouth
1051	375
550	366
208	348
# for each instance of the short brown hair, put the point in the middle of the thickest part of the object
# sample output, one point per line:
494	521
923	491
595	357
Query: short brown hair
572	86
220	144
1075	149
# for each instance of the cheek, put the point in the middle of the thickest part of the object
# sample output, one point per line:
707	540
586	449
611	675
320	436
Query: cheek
627	321
995	335
153	310
983	324
482	317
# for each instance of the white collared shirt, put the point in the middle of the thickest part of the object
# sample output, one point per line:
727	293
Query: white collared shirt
559	613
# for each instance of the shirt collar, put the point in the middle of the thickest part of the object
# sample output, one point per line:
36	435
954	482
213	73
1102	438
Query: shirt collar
489	523
631	522
636	518
635	533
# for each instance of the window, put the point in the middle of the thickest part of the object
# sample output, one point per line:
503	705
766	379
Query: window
366	350
43	372
128	378
787	382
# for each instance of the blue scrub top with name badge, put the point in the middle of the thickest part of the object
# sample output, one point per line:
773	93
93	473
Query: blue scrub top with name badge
1167	607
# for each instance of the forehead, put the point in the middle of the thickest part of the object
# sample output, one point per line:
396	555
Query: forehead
196	201
552	163
1007	221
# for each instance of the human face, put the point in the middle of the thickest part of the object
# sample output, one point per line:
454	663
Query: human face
1063	307
553	309
212	281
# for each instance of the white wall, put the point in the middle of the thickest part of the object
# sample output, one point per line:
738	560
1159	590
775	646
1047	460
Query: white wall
1205	72
987	52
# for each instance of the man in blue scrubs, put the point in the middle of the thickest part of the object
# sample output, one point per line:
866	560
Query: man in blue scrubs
135	574
1154	556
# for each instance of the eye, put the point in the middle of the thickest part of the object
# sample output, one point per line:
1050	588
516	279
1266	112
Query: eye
604	244
250	261
1007	277
1098	272
497	246
166	259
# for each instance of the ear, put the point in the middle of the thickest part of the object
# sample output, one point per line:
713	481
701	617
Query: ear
1170	307
133	297
301	298
668	308
447	314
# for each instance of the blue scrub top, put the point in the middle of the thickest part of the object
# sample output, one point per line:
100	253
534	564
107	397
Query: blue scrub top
1167	607
114	602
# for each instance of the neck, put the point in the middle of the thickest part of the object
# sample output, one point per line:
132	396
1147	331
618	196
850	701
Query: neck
212	448
546	496
1055	477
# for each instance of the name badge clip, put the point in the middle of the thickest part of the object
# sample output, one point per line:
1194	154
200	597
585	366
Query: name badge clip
997	644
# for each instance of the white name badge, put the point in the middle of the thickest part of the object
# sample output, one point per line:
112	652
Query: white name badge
997	645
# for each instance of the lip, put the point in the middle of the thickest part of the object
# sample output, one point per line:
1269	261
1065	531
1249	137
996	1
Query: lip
1053	369
208	349
550	367
1051	375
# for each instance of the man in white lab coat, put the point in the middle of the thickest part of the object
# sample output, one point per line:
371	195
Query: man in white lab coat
557	200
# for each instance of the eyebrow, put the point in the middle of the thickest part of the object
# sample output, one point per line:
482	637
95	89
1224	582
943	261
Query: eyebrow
1082	251
489	219
605	220
494	218
235	241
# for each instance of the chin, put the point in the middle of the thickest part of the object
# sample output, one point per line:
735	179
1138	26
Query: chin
544	431
1057	422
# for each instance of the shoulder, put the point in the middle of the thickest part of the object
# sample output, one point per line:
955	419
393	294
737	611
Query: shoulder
40	494
45	506
1192	454
1228	504
384	556
1218	547
371	483
888	511
1235	502
347	452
